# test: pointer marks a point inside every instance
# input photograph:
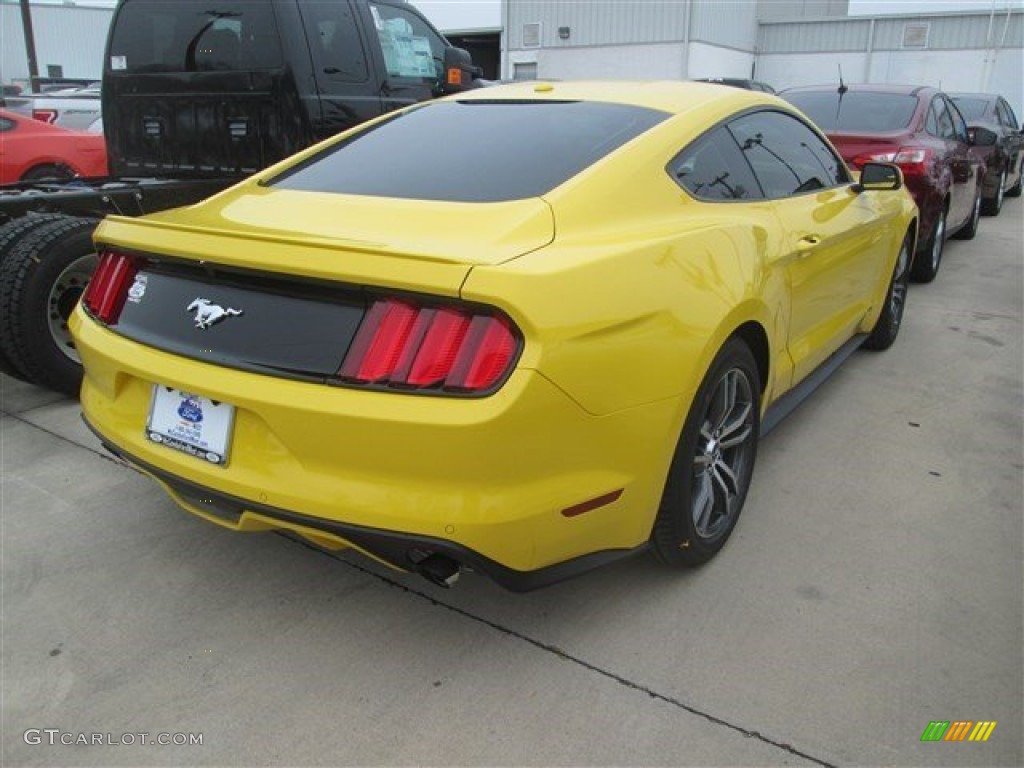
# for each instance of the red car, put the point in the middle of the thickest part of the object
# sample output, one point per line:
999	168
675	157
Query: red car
32	150
920	130
998	141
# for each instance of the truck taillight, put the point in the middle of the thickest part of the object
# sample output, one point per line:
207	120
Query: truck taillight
108	288
457	349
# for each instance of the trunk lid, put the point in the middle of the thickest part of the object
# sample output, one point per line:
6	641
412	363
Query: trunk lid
285	277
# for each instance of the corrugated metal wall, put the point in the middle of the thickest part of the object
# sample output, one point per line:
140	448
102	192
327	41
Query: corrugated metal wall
813	37
72	37
728	23
952	32
801	9
657	21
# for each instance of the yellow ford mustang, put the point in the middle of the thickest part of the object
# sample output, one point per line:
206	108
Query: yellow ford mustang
525	331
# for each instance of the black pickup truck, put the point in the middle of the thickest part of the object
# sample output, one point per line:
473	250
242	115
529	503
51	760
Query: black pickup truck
198	94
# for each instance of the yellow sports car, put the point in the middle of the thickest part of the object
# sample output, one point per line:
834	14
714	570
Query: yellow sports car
524	331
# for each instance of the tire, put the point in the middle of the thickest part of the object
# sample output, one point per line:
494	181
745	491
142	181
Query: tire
41	280
995	205
10	233
1014	191
970	229
888	326
926	264
687	531
48	172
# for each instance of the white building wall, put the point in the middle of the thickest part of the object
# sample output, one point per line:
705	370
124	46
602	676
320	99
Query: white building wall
653	61
950	70
714	61
71	37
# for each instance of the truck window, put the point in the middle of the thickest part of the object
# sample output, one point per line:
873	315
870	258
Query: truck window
333	35
411	49
195	36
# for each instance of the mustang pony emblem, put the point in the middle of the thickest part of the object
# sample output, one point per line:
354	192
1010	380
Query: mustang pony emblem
207	314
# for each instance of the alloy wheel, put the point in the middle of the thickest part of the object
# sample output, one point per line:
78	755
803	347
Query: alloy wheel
938	241
898	299
724	453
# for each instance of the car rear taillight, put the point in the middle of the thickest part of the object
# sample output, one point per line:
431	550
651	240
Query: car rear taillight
874	157
913	161
404	345
108	288
45	115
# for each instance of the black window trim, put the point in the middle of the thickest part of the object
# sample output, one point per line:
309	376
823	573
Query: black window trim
744	113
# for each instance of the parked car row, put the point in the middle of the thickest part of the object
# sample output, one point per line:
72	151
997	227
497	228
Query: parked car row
77	109
31	150
574	315
955	171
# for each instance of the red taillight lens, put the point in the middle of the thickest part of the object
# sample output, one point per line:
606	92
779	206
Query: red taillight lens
406	346
108	288
484	356
44	115
874	157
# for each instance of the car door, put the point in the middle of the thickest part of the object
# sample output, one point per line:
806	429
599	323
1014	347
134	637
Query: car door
964	167
1012	140
348	94
832	251
408	53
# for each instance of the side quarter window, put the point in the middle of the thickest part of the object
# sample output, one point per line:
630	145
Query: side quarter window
787	157
6	125
943	120
1006	116
959	126
713	168
931	124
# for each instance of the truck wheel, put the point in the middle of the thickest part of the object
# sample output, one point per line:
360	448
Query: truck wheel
10	233
41	279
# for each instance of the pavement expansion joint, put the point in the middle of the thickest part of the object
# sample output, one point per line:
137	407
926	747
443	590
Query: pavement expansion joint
565	656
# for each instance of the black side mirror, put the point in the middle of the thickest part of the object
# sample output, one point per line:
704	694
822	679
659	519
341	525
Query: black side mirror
879	176
459	71
980	136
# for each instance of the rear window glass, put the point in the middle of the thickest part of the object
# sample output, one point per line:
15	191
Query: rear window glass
971	109
855	111
474	151
194	36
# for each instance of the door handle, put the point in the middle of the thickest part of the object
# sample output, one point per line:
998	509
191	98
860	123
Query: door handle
806	244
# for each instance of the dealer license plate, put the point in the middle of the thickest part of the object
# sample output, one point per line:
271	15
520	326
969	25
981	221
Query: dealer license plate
191	423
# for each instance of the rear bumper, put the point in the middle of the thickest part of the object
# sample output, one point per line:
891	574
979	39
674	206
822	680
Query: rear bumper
391	547
483	481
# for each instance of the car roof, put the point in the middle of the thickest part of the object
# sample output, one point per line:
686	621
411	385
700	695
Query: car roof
906	90
991	98
672	96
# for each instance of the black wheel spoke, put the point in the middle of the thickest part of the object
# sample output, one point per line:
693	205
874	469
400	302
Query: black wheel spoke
703	504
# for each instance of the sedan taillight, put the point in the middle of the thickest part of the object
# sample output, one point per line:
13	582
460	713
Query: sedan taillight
108	288
45	115
404	345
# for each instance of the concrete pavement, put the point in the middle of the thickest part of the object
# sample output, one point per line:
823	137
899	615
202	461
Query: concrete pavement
874	584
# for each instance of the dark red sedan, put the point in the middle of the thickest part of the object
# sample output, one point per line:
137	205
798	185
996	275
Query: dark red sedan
998	141
920	130
31	150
